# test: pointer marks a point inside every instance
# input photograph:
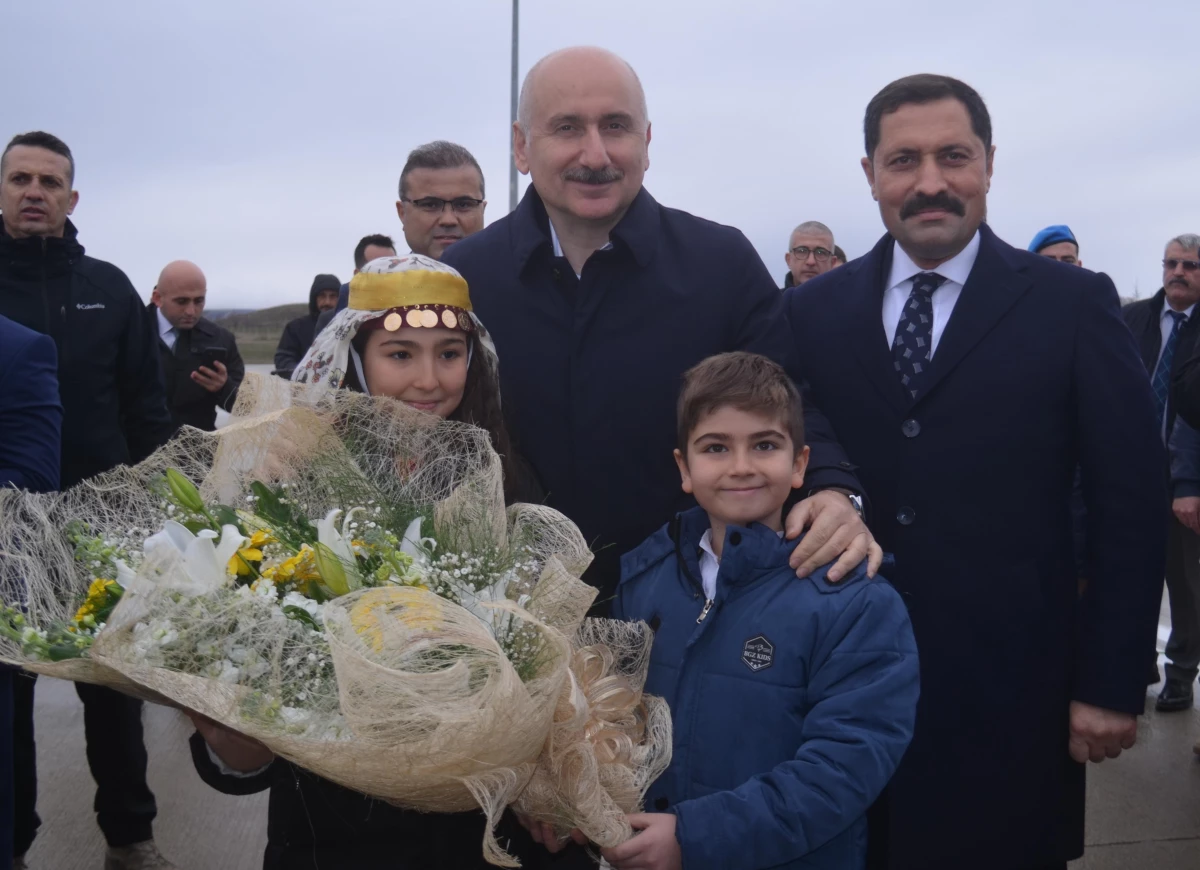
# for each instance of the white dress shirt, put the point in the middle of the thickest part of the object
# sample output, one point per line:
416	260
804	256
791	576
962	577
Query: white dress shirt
1166	323
165	330
899	288
558	251
710	565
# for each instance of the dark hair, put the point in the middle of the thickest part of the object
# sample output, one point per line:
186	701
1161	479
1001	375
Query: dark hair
438	155
39	139
360	250
921	89
741	380
480	406
840	254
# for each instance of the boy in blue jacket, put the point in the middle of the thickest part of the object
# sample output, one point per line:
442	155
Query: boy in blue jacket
792	700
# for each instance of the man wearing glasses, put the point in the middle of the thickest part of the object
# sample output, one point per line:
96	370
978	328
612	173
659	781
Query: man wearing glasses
1165	327
441	198
441	203
810	253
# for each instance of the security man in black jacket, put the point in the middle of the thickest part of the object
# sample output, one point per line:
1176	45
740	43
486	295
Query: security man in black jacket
114	412
200	359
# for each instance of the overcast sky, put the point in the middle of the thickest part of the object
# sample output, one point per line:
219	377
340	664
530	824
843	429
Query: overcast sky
263	138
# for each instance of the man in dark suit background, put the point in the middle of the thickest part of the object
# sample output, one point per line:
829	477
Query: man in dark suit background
1167	335
968	380
30	453
200	359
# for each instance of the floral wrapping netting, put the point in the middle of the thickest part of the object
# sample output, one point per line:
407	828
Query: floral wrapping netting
337	576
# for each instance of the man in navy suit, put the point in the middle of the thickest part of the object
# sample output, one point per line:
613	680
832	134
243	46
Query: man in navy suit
30	443
968	380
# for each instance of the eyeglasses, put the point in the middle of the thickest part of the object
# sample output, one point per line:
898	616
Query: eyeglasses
1188	265
434	205
802	252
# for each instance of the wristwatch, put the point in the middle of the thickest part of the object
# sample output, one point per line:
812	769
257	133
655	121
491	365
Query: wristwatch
856	500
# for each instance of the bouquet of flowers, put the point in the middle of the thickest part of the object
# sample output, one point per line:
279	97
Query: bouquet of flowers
341	581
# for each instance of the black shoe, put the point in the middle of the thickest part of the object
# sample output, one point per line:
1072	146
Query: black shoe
1155	676
1175	696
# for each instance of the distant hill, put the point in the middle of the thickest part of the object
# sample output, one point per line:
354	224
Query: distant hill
257	332
218	313
264	323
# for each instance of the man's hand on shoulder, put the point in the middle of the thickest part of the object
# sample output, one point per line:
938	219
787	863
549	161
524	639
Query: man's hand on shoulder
1097	734
837	532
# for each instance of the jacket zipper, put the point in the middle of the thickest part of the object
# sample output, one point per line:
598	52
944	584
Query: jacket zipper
708	603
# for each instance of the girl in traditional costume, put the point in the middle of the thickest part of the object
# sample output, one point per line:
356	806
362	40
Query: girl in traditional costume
408	333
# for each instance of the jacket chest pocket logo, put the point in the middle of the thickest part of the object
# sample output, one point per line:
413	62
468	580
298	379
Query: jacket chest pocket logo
758	653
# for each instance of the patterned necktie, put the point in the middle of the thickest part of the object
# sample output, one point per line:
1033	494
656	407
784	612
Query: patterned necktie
1162	372
913	346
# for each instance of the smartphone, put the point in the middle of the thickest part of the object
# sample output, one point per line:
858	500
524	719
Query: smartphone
209	355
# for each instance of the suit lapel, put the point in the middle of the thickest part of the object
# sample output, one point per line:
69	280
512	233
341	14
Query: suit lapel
868	339
993	287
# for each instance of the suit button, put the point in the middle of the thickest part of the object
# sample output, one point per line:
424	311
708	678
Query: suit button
906	516
661	805
910	428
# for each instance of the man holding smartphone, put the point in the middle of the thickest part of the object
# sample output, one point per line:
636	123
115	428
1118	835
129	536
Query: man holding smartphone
200	359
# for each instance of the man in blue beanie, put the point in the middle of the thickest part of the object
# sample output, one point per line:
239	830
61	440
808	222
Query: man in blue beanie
1057	243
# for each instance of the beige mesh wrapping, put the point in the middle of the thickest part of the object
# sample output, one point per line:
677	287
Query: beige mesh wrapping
369	702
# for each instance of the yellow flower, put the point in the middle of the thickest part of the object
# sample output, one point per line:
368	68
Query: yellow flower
97	595
300	569
414	608
239	562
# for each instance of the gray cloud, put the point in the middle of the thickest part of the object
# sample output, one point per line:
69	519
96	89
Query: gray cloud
263	139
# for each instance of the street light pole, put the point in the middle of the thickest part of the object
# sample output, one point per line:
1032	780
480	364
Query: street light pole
512	159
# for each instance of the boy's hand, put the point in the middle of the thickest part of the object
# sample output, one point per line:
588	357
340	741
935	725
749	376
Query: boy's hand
543	833
653	846
837	533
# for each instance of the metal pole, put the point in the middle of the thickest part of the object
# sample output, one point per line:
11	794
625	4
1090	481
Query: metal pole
512	161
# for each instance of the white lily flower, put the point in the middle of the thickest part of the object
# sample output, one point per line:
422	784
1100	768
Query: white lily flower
415	546
205	559
340	542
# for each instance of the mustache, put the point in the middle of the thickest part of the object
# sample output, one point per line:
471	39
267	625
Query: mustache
583	175
921	202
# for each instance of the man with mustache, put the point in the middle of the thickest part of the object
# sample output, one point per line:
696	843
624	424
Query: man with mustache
969	380
1166	332
599	299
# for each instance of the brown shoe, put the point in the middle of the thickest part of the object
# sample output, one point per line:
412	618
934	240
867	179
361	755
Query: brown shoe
139	856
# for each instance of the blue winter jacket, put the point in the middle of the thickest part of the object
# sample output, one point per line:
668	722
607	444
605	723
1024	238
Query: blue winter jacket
792	700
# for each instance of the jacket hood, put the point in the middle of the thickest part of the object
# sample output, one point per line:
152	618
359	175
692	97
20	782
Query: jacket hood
320	283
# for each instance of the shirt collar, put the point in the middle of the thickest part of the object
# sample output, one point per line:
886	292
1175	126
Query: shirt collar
638	230
557	245
956	269
1167	309
164	325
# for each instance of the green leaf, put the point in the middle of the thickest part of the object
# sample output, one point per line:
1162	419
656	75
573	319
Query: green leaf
227	516
195	526
301	615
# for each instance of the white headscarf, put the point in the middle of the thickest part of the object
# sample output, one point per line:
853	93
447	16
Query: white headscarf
325	365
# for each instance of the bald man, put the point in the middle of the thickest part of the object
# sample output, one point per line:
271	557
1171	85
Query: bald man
599	299
200	359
